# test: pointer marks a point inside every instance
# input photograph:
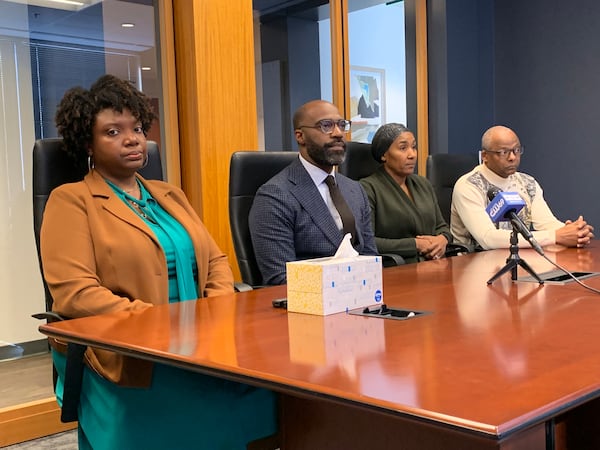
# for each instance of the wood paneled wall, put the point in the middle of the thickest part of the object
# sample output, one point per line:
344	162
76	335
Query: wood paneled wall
340	65
422	84
216	91
169	113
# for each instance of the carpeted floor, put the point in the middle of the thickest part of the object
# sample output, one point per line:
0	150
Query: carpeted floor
60	441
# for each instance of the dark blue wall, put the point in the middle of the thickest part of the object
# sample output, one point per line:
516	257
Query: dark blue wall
304	64
461	63
470	39
275	84
531	65
290	47
546	70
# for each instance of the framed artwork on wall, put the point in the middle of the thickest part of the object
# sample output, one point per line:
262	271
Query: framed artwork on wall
367	101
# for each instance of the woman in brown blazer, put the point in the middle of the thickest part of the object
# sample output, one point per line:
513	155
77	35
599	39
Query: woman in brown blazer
118	242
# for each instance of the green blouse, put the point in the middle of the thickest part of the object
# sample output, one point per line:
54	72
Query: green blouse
174	240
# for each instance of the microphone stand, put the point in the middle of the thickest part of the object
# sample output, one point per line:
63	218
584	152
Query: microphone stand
513	261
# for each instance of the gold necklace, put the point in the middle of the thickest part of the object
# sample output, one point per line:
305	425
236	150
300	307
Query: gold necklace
140	211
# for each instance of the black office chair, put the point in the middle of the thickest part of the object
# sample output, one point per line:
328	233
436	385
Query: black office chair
442	172
359	162
249	170
51	168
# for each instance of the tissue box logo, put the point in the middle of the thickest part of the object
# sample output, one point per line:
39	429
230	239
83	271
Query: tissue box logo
330	285
378	296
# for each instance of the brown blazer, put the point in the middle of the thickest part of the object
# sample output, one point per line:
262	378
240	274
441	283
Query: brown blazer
99	256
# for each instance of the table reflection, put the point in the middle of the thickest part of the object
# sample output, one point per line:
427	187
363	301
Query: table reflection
339	340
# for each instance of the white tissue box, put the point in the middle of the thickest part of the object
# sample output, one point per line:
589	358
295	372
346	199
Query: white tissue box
331	285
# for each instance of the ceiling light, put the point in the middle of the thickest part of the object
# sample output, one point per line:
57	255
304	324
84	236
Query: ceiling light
146	68
69	5
128	25
69	2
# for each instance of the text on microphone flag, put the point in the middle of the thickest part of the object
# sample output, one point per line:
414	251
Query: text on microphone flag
503	203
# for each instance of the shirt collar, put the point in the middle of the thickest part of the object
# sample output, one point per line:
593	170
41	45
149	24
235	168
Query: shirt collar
494	178
318	175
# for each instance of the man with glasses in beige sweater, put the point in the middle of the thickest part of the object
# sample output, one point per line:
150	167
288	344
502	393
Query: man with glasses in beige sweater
501	152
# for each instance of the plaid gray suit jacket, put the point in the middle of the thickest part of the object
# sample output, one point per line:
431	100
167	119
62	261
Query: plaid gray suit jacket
289	221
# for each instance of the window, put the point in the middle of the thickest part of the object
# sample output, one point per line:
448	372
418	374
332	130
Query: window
44	50
377	80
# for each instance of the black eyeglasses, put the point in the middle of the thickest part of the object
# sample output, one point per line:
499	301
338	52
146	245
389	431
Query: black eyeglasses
327	125
518	151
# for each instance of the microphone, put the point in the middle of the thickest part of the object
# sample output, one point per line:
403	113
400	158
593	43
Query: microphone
504	206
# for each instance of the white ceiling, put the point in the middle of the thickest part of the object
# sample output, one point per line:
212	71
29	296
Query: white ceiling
75	26
82	27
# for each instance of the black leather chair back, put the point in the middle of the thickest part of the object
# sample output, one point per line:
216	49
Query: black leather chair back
359	162
53	167
442	172
249	170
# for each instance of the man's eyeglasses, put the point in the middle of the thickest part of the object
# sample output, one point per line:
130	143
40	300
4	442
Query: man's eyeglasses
327	125
518	151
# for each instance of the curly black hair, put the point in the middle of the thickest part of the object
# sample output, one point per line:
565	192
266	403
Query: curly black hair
77	111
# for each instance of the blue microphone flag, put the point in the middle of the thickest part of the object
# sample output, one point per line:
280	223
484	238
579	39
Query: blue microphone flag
502	204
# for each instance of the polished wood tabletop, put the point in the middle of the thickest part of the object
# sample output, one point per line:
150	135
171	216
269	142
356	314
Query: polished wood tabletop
491	359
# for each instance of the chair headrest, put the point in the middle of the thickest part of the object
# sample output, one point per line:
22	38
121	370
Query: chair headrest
52	166
249	170
359	162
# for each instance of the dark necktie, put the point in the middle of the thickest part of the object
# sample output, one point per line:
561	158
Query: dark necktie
340	204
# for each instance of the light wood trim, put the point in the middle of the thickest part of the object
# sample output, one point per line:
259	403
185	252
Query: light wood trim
217	103
168	72
422	84
30	421
340	65
186	60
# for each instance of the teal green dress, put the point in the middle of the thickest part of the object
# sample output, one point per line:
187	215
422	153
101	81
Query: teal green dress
180	409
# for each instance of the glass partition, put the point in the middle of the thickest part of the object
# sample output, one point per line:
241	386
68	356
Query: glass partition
295	55
376	35
46	47
294	64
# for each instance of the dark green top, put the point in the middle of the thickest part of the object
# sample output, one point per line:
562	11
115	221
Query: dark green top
397	219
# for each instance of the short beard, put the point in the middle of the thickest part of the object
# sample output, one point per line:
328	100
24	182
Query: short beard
322	156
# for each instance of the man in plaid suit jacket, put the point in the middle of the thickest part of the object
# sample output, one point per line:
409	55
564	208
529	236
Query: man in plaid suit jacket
293	216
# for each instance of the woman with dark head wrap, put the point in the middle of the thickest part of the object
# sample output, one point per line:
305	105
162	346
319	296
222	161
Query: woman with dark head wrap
405	215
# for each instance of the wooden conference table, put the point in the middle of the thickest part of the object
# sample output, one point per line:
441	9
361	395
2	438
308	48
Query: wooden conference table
512	365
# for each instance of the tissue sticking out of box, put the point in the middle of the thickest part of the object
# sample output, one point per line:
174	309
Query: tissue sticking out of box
345	250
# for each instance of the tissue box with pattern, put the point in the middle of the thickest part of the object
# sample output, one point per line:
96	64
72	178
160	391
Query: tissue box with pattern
330	285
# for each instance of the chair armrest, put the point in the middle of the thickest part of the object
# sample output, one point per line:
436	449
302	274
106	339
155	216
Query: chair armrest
240	286
73	372
72	382
456	249
392	260
49	316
